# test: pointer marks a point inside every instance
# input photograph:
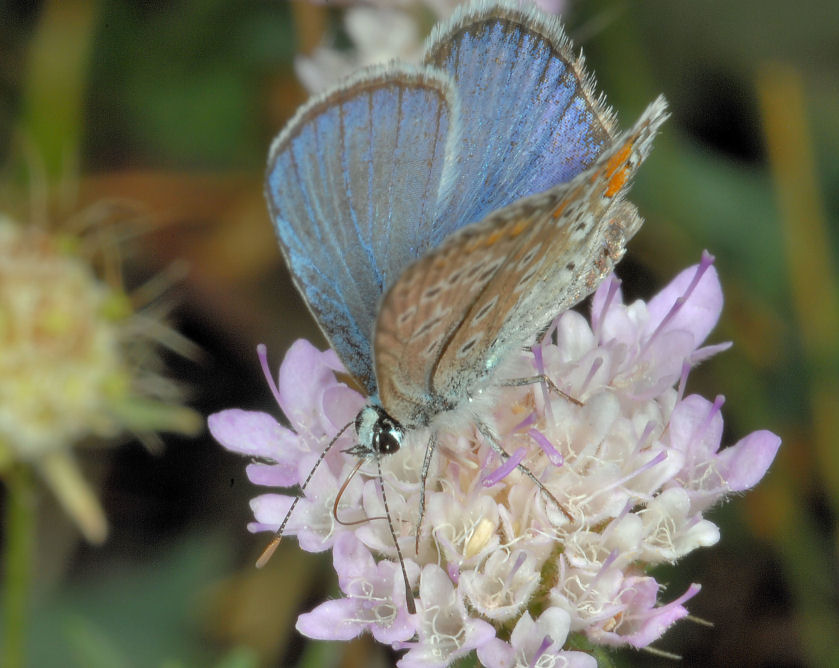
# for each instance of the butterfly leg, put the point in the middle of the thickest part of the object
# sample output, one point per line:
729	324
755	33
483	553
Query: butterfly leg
541	378
495	445
426	464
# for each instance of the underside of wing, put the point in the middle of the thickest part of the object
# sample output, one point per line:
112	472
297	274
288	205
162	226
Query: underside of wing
531	118
506	277
423	311
351	184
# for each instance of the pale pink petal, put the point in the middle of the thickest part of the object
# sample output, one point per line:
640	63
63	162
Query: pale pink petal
305	374
273	475
618	326
660	619
698	314
662	363
352	560
333	620
746	462
706	352
377	590
495	653
574	336
446	631
696	428
642	622
252	433
271	508
578	660
341	404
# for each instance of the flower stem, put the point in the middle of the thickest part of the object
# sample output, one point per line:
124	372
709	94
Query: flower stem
18	553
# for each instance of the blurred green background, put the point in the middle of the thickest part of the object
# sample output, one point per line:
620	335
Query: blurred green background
171	106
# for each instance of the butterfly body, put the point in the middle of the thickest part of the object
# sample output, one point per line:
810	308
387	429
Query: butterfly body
437	218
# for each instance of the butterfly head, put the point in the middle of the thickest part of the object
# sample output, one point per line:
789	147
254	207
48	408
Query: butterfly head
378	433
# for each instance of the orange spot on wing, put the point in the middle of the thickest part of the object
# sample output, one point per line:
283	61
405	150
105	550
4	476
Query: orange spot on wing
616	182
518	228
558	210
494	237
617	160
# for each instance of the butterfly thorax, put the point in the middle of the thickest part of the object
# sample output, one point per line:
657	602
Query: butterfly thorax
378	433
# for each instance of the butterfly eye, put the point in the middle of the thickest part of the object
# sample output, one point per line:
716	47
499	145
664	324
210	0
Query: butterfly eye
388	435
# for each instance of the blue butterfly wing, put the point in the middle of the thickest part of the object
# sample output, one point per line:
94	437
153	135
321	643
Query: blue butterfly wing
352	183
531	119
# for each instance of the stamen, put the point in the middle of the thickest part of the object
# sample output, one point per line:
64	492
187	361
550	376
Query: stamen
608	561
554	456
262	354
683	380
598	318
520	559
629	505
547	642
699	620
595	367
529	420
706	261
692	591
719	400
662	654
507	467
550	333
539	363
642	440
442	539
660	457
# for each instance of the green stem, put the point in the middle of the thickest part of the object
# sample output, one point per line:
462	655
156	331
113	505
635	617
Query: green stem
19	547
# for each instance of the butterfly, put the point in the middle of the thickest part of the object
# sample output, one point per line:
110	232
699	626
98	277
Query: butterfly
436	218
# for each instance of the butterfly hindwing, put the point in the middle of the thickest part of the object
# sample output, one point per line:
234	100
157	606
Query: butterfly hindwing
352	183
423	311
530	261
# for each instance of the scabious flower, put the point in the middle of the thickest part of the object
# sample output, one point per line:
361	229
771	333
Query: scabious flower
380	31
500	569
76	362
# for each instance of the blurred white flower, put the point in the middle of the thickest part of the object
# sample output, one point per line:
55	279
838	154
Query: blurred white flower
380	31
65	370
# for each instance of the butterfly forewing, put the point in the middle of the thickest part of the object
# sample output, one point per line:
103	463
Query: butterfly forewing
531	119
536	258
352	184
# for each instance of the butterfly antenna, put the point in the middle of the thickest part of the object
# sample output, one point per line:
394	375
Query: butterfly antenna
409	595
341	493
278	534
